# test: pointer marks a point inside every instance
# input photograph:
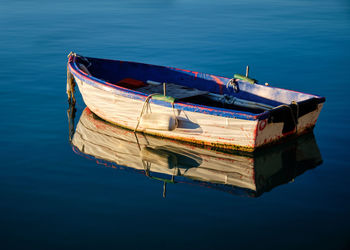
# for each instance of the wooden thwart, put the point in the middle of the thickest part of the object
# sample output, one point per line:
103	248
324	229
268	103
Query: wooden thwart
173	90
180	92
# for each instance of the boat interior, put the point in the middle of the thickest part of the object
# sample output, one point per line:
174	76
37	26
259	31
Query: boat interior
192	87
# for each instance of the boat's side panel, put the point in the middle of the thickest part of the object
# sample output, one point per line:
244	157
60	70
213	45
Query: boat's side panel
269	131
194	127
131	94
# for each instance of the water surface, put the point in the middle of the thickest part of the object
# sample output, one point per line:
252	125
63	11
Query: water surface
53	198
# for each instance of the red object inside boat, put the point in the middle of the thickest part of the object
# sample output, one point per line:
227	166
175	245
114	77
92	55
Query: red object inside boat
130	83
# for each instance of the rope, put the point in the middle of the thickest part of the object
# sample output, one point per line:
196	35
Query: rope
70	88
71	116
232	82
295	103
143	109
147	165
145	105
295	121
173	107
71	53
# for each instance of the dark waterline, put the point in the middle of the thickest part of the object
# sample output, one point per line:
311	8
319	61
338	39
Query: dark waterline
53	198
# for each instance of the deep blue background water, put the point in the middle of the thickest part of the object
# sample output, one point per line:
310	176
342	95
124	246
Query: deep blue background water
53	198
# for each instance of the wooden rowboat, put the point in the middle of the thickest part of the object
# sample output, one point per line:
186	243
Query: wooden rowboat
170	161
200	108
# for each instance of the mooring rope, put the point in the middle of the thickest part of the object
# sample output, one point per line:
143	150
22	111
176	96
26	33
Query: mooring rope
71	116
232	82
295	121
143	109
70	87
146	102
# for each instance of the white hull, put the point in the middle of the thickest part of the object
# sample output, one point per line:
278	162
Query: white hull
196	127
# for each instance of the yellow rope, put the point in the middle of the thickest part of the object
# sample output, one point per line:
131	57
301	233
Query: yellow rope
143	108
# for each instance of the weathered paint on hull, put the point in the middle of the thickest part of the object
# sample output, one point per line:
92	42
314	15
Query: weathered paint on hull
199	128
204	129
227	129
269	133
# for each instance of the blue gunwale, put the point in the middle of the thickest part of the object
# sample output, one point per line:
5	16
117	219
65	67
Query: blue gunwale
185	106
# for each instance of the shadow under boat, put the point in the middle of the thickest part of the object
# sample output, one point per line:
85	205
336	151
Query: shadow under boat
171	161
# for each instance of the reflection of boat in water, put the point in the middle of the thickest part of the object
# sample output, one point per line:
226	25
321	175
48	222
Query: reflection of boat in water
176	162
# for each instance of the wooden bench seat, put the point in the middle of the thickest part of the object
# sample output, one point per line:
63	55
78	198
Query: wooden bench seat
173	90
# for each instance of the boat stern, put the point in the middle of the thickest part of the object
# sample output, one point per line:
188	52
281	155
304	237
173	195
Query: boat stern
290	120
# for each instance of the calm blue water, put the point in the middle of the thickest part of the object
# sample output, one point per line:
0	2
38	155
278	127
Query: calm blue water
52	198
